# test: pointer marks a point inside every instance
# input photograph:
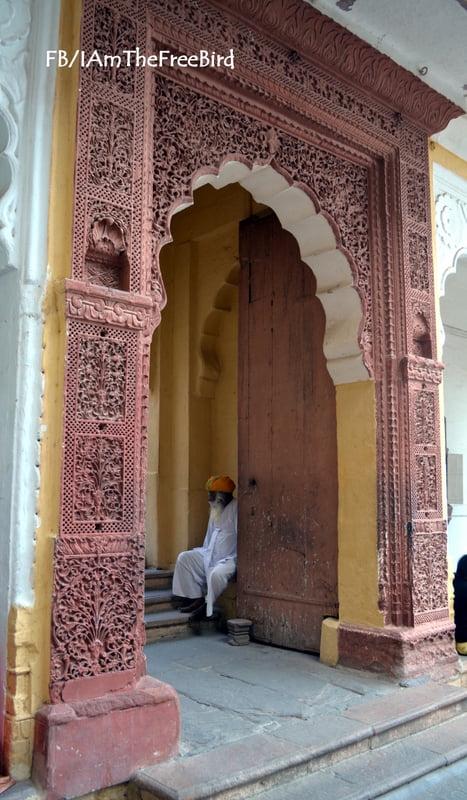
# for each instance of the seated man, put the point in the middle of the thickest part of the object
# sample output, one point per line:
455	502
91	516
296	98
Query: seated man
209	568
460	606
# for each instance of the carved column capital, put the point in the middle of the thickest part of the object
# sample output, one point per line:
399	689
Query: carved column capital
90	303
422	370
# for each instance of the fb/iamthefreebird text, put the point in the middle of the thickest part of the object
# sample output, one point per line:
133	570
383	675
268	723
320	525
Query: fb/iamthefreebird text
136	58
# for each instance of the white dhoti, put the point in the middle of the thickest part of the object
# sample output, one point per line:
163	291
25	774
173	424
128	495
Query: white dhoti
190	578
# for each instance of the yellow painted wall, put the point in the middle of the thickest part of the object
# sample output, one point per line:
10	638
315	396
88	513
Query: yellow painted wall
194	356
29	628
446	159
357	519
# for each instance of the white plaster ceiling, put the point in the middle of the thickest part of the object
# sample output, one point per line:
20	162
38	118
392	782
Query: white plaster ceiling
426	37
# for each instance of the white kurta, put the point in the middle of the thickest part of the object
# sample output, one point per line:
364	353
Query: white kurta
209	568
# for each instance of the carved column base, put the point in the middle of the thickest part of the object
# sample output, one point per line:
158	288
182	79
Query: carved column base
405	653
90	744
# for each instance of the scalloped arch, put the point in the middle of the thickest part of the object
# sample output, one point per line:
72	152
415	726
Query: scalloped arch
317	242
8	136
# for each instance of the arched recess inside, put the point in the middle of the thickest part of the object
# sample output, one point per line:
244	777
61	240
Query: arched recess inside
454	356
257	190
451	256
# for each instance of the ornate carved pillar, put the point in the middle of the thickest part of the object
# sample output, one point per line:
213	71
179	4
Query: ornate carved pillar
418	634
106	718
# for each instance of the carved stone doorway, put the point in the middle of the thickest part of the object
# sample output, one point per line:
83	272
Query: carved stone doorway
333	137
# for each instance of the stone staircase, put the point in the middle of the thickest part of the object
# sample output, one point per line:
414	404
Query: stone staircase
397	741
162	618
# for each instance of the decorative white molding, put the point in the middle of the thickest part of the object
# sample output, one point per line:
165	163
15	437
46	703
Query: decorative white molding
451	222
28	29
15	19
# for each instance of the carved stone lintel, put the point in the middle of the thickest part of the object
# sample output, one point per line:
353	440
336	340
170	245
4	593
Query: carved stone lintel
319	39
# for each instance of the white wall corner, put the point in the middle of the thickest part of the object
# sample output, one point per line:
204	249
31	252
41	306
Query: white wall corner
27	88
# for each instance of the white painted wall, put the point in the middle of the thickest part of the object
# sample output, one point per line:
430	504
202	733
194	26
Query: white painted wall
455	357
451	252
28	29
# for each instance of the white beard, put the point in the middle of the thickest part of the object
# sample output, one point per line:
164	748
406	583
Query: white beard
217	508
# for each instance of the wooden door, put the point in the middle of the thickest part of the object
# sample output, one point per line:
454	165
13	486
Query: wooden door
287	570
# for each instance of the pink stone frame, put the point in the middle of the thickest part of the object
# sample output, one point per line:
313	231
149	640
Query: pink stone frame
347	126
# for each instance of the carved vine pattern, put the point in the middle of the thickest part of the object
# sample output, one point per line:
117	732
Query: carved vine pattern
425	418
418	254
115	33
95	614
98	478
191	131
102	373
111	147
429	590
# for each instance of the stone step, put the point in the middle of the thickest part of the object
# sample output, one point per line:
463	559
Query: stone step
155	578
398	740
156	600
172	624
165	624
162	620
377	772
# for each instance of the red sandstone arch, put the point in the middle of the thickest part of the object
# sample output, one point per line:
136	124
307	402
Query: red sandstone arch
315	233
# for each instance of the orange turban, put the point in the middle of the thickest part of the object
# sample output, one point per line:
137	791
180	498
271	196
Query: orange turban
220	483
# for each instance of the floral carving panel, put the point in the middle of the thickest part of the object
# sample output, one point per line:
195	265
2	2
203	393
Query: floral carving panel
111	147
425	418
430	588
98	478
97	599
114	34
102	374
426	482
193	133
418	256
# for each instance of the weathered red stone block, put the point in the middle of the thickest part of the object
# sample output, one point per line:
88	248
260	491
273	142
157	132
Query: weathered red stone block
87	745
406	653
